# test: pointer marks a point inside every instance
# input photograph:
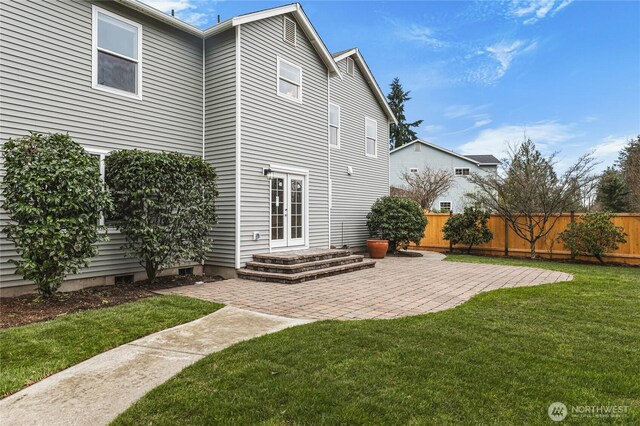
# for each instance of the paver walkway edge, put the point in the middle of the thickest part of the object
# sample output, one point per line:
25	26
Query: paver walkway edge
95	391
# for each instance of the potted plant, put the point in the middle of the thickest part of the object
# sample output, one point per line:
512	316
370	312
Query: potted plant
377	248
395	221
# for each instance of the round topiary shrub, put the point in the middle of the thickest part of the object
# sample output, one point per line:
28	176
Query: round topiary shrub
399	220
54	196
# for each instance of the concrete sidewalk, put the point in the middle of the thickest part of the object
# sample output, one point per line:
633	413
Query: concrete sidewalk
95	391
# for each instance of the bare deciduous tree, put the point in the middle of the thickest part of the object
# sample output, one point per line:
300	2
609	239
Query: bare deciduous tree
629	163
529	194
425	186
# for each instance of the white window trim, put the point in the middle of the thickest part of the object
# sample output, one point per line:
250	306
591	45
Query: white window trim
94	55
450	205
337	146
284	31
455	169
375	153
282	95
101	153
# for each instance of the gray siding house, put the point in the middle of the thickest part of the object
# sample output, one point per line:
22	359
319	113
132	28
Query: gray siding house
419	154
251	95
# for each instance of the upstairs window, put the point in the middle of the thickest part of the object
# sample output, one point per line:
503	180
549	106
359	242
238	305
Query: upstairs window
349	66
289	31
334	125
462	171
117	46
445	206
371	137
413	170
289	80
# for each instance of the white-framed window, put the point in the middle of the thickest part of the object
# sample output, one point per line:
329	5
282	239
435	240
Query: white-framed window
413	170
117	54
334	125
289	80
289	30
350	66
462	171
445	206
371	137
100	155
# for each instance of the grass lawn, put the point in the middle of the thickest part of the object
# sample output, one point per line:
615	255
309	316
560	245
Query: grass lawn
32	352
502	357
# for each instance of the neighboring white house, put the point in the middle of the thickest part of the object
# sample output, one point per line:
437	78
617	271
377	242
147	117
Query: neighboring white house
419	154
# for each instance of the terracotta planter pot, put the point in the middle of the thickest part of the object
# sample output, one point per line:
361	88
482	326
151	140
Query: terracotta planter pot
377	248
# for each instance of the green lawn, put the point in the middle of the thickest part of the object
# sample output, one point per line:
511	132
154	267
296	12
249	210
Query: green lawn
32	352
502	357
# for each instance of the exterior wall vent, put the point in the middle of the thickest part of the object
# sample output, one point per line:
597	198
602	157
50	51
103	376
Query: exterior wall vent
123	279
349	66
185	271
289	31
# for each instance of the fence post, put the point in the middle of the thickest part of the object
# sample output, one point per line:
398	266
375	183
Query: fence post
573	219
450	244
506	237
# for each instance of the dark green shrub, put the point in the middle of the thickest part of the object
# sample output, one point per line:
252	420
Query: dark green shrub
592	234
165	205
54	196
399	220
469	228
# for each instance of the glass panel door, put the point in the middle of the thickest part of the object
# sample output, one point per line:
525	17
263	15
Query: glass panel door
278	211
296	210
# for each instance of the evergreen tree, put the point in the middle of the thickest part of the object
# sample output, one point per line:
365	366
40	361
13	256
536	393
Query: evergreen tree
629	164
612	192
401	133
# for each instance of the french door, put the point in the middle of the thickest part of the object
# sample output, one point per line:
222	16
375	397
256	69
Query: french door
288	210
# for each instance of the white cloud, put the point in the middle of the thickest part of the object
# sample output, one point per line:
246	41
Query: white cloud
534	10
494	141
505	52
423	35
456	111
481	123
186	10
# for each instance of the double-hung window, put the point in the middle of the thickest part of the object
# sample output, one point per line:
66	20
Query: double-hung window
334	125
462	171
117	54
289	80
371	137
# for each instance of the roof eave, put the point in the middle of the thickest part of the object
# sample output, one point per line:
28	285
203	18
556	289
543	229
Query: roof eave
161	16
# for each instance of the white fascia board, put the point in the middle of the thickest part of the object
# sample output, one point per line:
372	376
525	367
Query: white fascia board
158	14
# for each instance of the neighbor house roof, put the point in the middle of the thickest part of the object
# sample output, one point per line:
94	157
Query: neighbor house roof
479	160
359	59
295	9
485	160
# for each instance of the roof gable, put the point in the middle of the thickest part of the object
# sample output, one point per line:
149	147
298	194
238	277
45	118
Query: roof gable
368	76
468	158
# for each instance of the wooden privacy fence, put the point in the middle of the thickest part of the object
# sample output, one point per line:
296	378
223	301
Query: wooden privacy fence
506	243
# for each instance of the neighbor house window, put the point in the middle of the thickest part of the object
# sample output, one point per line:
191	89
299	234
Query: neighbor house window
117	51
413	170
371	136
334	125
463	171
289	80
445	206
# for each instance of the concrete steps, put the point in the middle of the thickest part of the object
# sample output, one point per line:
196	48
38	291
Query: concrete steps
300	266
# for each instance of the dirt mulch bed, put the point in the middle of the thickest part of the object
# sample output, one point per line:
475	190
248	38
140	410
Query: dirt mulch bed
29	308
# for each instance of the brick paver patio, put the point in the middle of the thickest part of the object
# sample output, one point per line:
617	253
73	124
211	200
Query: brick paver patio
396	287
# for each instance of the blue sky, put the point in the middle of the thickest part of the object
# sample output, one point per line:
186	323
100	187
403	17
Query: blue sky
482	73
